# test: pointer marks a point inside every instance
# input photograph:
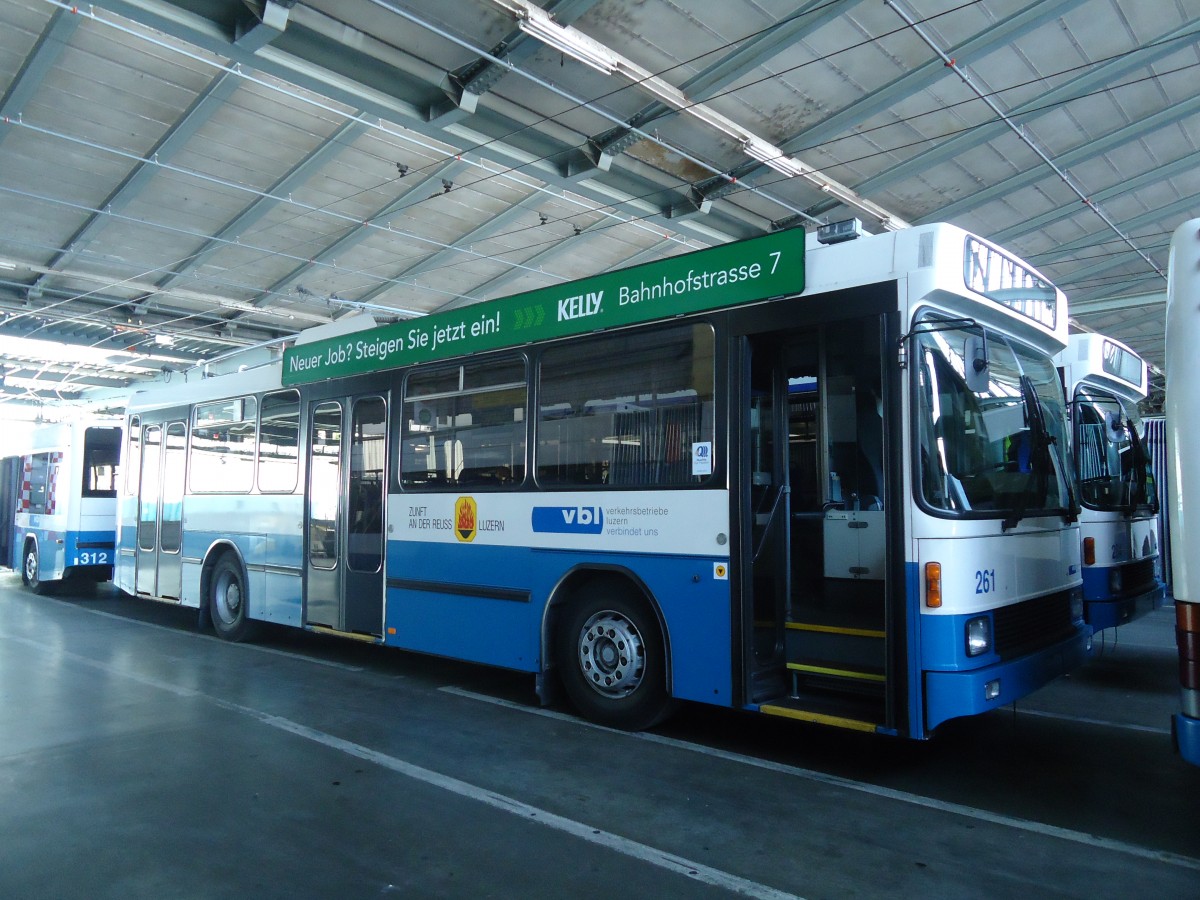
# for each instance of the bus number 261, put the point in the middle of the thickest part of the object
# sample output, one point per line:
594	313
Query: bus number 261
985	581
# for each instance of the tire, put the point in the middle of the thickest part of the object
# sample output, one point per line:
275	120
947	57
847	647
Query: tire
611	656
228	600
30	567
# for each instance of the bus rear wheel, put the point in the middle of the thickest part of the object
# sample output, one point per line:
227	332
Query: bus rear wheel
30	569
610	652
227	601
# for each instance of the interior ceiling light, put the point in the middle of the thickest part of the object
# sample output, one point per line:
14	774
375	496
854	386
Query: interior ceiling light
537	23
770	155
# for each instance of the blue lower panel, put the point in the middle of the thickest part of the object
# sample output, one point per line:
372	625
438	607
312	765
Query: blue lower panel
90	548
1101	614
63	552
1185	731
952	694
273	571
432	607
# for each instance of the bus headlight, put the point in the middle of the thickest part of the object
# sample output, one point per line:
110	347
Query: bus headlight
979	635
1077	605
1115	581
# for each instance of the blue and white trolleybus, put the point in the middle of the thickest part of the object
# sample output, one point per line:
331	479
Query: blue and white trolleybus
818	478
59	496
1105	381
1182	409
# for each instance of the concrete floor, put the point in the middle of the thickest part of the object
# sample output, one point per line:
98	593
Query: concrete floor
140	758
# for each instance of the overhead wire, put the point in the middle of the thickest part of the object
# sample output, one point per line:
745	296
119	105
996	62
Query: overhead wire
509	251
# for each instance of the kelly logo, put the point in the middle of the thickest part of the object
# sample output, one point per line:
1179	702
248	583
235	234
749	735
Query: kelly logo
466	515
568	519
579	306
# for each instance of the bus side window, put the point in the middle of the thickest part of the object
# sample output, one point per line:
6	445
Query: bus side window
464	425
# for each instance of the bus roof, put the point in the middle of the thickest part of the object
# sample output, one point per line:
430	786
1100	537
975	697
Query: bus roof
1104	361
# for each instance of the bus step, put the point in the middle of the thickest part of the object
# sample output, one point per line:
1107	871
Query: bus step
829	675
855	714
818	628
840	647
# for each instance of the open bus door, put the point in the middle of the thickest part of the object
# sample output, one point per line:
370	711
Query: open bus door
816	524
344	516
10	485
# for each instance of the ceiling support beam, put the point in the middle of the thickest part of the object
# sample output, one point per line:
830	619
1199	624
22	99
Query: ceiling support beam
318	54
446	255
496	286
1180	208
414	193
1182	166
1097	146
749	54
991	38
1096	78
1001	34
470	82
1116	304
262	206
210	100
261	28
37	64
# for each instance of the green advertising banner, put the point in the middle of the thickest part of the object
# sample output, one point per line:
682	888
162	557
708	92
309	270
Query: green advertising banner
741	272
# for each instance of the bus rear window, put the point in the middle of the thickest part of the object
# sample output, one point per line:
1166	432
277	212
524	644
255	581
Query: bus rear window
101	454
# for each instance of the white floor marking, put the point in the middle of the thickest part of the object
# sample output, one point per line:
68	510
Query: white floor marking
668	861
1083	720
209	637
982	815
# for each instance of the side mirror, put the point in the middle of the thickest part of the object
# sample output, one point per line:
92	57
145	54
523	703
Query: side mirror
1116	426
975	358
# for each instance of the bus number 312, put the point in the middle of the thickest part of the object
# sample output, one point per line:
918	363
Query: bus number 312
96	558
985	581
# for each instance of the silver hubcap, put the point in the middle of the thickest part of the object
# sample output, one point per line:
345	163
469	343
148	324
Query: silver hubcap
31	567
228	599
611	655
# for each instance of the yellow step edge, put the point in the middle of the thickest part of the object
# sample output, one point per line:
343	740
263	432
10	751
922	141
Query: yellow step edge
844	673
353	635
819	718
836	629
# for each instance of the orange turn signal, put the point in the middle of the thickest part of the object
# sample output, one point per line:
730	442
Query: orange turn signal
1089	551
933	585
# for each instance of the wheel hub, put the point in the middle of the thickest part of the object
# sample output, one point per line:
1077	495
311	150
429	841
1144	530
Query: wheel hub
229	600
611	655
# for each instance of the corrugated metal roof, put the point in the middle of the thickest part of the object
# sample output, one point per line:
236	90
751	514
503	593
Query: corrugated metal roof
222	174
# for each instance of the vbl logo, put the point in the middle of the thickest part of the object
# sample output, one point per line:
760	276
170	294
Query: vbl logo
568	519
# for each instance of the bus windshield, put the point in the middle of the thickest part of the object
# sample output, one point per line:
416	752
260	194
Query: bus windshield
1111	462
991	425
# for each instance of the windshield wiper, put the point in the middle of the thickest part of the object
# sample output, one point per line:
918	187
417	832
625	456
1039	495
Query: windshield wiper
1041	463
1139	492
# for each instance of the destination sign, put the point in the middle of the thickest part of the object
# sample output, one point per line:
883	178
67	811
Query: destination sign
731	274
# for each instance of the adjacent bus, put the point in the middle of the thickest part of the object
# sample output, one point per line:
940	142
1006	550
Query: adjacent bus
1182	408
821	478
59	495
1105	381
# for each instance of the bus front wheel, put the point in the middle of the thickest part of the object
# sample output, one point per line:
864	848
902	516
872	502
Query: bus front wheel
610	652
227	601
30	571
